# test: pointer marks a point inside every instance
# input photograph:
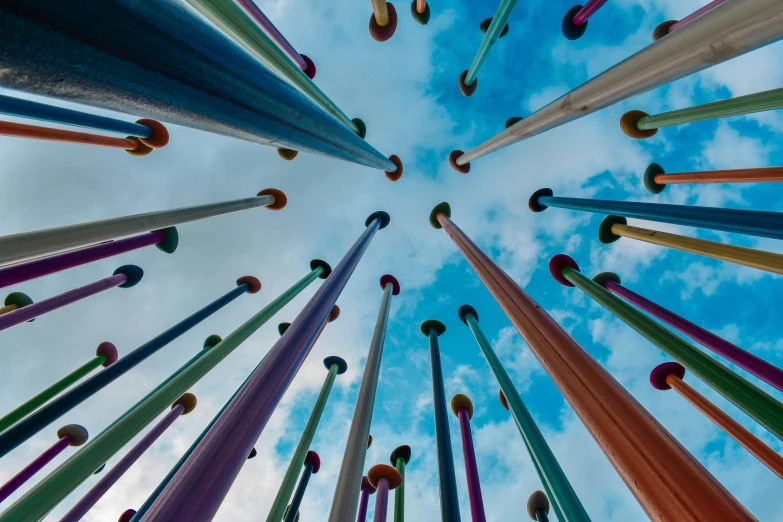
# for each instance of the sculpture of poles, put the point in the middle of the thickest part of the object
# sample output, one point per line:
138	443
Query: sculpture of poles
49	240
347	489
105	356
538	507
68	435
131	144
384	478
754	365
669	375
668	26
736	28
462	407
751	222
566	503
420	10
35	422
15	301
656	179
614	227
399	459
182	406
165	240
125	276
667	481
498	27
199	486
762	407
197	76
575	21
640	125
383	20
312	464
367	490
449	503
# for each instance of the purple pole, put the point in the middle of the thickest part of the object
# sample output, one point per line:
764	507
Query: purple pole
463	409
381	501
367	490
124	277
587	11
384	478
182	406
694	15
197	489
69	435
165	239
765	371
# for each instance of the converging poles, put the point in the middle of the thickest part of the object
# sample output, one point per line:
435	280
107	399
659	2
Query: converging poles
367	490
384	478
462	407
383	20
575	21
348	481
312	464
399	459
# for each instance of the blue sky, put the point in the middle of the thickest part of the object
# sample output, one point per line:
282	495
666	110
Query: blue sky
406	91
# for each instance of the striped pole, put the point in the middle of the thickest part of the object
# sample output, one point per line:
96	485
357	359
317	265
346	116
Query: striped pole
312	464
68	435
756	366
538	507
640	125
566	503
197	489
462	407
575	21
656	179
181	406
449	503
367	490
131	144
668	26
165	240
125	276
736	28
399	459
669	375
47	241
383	21
15	301
614	227
35	422
762	407
105	356
347	488
384	478
751	222
420	11
667	481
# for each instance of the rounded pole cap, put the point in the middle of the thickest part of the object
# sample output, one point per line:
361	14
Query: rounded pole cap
320	263
159	136
132	272
170	240
99	469
460	401
211	341
109	351
464	88
628	124
433	324
388	278
421	18
537	502
361	127
659	373
400	452
453	155
556	266
652	170
342	366
603	277
252	454
605	234
502	398
253	284
366	485
484	27
282	327
513	120
570	30
77	433
287	154
334	313
533	203
662	29
369	440
127	515
384	471
396	174
441	208
281	200
310	69
466	310
188	401
313	458
17	298
380	215
381	33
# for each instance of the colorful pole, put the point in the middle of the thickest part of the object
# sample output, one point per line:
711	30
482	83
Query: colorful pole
669	375
449	503
131	144
384	478
335	366
757	366
347	488
656	179
182	406
312	464
751	222
15	301
765	409
125	276
538	507
463	409
399	459
35	422
736	28
199	486
564	499
105	355
367	490
68	435
383	21
575	21
28	244
420	11
166	240
667	481
672	25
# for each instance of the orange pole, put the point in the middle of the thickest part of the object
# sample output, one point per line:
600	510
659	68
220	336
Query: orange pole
667	481
722	176
421	6
21	130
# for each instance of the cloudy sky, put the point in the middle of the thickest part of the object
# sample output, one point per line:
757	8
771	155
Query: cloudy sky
406	92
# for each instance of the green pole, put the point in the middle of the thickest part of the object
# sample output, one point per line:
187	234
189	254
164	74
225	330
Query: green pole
759	405
399	458
44	496
336	366
566	504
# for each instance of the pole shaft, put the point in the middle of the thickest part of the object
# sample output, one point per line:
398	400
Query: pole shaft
399	493
694	15
365	499
471	469
421	7
499	21
766	174
381	501
22	130
541	516
296	501
380	11
587	11
7	489
668	482
266	25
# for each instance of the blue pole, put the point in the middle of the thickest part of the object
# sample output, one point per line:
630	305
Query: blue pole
296	501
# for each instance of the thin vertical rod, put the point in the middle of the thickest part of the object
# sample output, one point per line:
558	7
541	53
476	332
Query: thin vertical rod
365	499
399	493
381	501
23	130
694	15
587	11
296	501
667	481
471	469
15	482
499	21
759	175
266	25
381	12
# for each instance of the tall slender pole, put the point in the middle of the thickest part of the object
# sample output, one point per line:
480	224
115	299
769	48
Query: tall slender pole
667	481
575	20
399	459
347	488
739	26
28	244
449	503
367	490
669	26
538	507
462	407
182	406
312	464
131	144
669	375
197	489
384	478
762	407
656	179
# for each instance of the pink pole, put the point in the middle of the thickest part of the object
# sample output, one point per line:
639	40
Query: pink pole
588	10
691	17
474	487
